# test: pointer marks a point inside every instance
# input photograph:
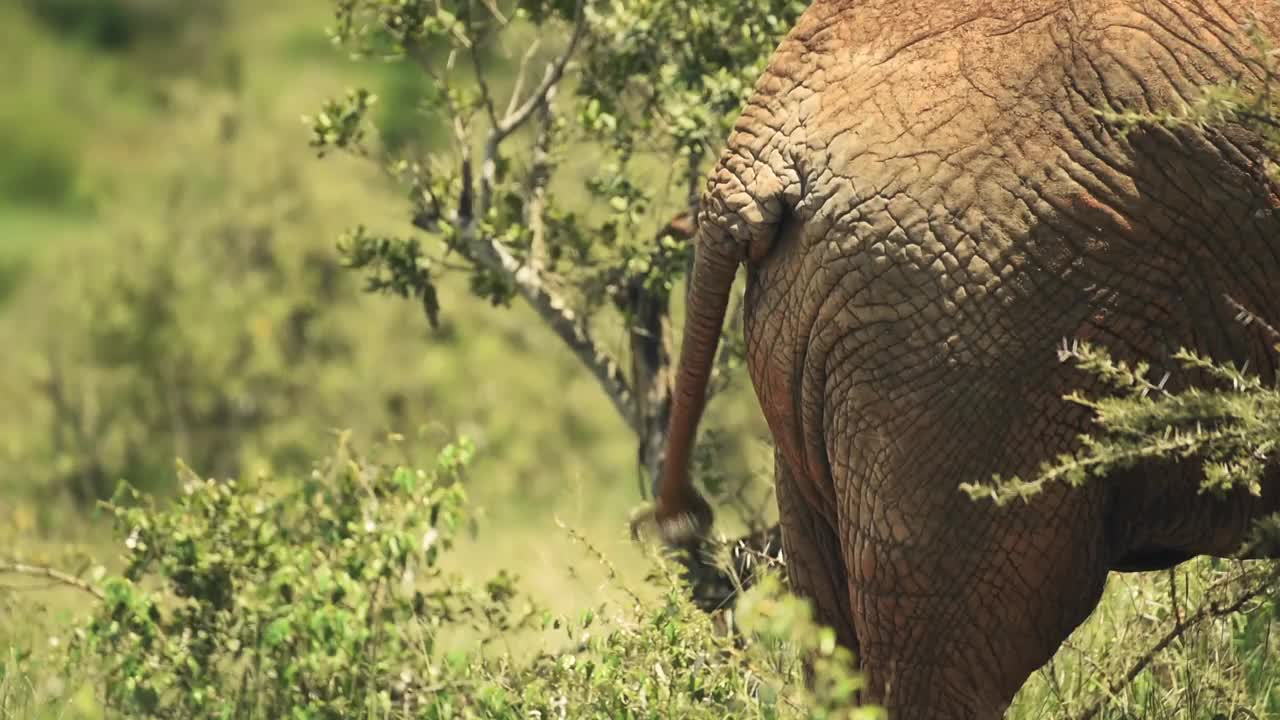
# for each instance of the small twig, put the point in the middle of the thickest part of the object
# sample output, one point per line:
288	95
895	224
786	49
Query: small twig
48	573
1246	317
521	74
610	570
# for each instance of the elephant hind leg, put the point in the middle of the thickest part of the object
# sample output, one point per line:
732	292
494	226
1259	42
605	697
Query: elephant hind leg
1157	516
814	557
954	616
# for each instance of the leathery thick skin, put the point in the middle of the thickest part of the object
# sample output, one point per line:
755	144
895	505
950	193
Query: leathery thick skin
927	205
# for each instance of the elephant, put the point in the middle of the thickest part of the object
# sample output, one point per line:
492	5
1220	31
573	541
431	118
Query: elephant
927	203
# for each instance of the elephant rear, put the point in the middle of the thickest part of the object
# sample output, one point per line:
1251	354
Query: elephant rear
928	205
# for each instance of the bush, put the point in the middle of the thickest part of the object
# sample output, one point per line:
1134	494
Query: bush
325	598
321	598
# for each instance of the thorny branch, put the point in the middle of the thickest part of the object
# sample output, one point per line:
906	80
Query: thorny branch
1244	316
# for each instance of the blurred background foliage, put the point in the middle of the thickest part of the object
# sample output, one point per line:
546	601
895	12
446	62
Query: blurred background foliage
170	287
169	263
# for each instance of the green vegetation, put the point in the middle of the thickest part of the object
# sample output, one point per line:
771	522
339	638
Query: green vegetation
170	288
325	597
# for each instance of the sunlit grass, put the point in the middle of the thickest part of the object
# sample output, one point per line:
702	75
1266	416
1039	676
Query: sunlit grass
1222	667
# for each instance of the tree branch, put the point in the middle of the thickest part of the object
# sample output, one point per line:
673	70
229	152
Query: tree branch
521	74
515	119
554	72
494	256
1245	316
486	96
566	324
539	175
553	310
48	573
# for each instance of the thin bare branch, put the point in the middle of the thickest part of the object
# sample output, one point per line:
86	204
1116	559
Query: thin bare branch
492	7
521	74
47	573
1245	316
501	130
554	311
554	72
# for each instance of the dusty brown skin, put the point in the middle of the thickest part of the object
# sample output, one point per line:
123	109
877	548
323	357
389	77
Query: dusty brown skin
927	206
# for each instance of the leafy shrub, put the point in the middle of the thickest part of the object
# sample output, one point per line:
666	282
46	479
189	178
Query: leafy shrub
320	598
325	598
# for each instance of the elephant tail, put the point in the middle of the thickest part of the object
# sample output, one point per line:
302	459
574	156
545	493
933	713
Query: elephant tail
737	224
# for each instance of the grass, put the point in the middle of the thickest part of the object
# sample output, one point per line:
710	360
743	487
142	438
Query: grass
23	232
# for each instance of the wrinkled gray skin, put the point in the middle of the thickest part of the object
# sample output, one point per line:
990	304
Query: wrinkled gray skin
927	206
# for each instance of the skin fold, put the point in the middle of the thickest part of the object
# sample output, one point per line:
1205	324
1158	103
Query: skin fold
926	205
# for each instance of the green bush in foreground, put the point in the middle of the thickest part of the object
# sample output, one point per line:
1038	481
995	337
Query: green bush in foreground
326	598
